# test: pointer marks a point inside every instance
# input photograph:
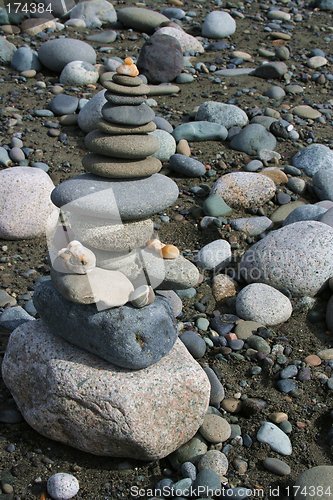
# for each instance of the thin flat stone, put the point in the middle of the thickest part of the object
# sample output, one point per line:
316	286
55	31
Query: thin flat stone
163	89
234	71
128	81
104	234
305	111
120	168
115	129
133	200
128	115
122	90
123	100
122	146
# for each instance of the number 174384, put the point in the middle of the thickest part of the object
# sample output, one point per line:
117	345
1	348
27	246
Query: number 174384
28	8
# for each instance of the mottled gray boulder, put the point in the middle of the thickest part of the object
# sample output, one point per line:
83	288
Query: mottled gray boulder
227	115
91	113
244	189
124	336
313	158
297	257
323	183
71	396
264	304
306	212
252	139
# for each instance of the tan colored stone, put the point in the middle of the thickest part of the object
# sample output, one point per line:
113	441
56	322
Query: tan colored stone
312	360
215	429
114	129
71	396
305	111
223	287
33	26
278	417
231	405
276	174
183	147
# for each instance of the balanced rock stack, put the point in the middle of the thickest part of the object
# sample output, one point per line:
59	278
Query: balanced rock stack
103	369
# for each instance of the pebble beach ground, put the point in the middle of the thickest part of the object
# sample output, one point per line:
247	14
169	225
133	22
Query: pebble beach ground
276	405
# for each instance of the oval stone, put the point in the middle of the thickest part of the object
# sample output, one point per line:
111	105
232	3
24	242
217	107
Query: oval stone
55	54
120	168
128	115
134	200
122	146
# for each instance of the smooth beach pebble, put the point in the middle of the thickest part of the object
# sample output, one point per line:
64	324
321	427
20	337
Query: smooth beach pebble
62	486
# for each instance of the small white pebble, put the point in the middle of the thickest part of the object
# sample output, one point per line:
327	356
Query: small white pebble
62	486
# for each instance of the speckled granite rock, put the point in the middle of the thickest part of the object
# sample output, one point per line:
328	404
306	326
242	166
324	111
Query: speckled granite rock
78	399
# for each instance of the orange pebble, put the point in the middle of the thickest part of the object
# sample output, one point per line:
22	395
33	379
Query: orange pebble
128	61
170	252
128	68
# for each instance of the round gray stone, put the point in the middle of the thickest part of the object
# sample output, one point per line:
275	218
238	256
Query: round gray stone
79	73
216	254
63	104
62	486
252	139
218	24
264	304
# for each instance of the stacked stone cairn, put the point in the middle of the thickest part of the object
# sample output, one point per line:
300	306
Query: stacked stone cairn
100	303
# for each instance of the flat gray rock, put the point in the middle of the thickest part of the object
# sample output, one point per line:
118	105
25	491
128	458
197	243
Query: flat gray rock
253	226
216	254
94	406
139	199
124	336
286	260
313	158
227	115
271	70
140	19
185	165
128	115
252	139
55	54
200	131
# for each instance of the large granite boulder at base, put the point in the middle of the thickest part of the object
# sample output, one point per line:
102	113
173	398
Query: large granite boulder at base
125	336
297	258
78	399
